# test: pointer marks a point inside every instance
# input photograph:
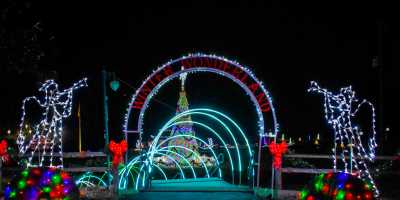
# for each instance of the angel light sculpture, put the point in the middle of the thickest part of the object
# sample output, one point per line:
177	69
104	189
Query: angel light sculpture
340	111
44	147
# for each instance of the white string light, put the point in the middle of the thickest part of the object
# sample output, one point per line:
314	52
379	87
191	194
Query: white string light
339	112
57	105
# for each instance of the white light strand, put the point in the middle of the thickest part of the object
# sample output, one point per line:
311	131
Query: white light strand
56	107
339	112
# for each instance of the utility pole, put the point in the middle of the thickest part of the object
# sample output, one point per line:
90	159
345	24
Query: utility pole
105	107
379	64
80	128
1	174
259	160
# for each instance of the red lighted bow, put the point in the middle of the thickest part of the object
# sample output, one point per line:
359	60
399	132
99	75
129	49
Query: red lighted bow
277	150
118	151
3	151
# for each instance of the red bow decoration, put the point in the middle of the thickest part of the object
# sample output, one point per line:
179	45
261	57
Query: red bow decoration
277	150
118	151
3	151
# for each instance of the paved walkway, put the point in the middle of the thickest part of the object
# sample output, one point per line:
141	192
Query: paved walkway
191	196
194	189
197	185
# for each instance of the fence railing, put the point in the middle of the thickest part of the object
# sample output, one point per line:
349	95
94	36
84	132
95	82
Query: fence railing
295	170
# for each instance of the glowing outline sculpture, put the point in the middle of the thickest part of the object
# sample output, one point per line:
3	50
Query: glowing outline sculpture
54	100
338	113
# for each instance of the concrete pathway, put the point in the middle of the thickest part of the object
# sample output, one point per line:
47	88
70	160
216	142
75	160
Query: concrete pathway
191	196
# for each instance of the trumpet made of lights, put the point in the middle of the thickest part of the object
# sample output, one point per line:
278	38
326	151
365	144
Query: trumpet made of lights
44	146
340	110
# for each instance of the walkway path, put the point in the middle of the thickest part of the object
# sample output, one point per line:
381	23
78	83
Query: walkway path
192	196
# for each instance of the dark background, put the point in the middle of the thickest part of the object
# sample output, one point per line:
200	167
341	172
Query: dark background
286	44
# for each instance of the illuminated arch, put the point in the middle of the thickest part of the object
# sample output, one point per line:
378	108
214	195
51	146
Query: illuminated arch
182	157
212	131
201	63
89	180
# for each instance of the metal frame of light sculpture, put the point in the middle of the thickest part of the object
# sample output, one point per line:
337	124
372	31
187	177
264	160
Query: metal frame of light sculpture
58	106
339	113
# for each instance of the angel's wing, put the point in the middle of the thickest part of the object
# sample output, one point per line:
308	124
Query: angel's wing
366	133
29	121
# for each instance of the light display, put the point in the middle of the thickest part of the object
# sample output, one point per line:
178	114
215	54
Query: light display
47	134
42	183
183	128
277	150
200	63
138	170
118	150
337	186
212	114
88	179
340	110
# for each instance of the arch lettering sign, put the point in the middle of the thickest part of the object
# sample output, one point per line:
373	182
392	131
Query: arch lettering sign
200	63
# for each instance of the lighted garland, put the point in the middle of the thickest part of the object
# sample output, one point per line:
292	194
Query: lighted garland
37	183
340	109
47	134
337	186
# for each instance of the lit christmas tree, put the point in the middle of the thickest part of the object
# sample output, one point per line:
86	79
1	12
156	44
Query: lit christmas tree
182	144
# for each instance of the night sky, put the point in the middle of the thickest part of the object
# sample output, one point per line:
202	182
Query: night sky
286	44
